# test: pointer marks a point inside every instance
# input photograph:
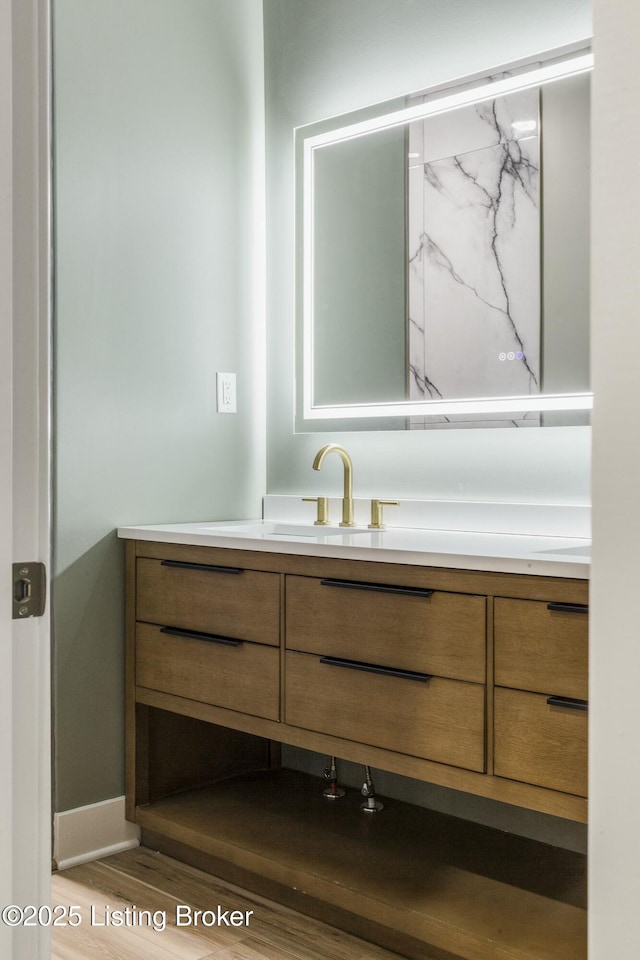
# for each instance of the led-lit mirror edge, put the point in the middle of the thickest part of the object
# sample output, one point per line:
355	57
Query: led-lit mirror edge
571	65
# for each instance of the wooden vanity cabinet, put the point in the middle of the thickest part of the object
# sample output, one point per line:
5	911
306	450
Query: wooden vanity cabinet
469	680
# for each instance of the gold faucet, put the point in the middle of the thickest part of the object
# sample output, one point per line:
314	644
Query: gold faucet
376	512
347	500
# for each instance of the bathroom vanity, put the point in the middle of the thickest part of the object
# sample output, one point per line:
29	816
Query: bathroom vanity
472	679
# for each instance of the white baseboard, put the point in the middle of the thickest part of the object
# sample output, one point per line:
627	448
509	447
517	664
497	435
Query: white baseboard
91	832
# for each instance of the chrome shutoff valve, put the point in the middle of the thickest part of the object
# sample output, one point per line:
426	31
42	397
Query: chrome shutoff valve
332	791
370	805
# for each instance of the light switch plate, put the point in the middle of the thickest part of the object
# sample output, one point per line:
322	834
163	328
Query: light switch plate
226	392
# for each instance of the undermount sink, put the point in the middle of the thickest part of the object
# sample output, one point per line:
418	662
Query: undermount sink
270	528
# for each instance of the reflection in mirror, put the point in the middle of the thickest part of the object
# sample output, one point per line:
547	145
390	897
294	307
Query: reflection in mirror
474	251
444	274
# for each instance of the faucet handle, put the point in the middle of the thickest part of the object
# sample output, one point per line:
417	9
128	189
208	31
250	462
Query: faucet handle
322	519
376	512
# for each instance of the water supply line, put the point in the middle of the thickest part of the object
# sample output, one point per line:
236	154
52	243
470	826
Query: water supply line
370	805
332	791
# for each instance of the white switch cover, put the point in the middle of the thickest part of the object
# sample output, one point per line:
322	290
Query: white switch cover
226	392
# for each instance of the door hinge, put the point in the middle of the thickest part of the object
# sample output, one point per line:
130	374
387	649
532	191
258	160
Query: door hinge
29	589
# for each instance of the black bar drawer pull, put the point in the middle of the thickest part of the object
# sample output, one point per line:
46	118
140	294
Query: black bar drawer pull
374	668
568	703
196	635
569	607
378	588
199	566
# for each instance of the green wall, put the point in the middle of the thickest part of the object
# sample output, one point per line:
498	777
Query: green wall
159	160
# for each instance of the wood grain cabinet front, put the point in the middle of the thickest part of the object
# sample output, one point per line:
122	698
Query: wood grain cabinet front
430	717
541	740
540	706
223	600
393	666
234	674
210	633
542	647
412	628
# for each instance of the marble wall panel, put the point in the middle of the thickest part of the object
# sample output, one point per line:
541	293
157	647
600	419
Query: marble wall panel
474	254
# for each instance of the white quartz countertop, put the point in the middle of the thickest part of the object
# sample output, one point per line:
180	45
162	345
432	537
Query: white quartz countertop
467	550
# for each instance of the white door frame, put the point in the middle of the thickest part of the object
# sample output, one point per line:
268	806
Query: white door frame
25	329
24	494
614	761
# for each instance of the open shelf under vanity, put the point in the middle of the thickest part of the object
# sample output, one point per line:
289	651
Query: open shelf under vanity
436	879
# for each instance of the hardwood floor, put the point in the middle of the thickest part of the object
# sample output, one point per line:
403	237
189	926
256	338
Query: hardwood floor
146	893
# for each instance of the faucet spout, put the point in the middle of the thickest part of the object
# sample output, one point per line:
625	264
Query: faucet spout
347	499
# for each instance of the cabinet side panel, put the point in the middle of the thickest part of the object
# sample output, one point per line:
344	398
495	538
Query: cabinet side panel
131	746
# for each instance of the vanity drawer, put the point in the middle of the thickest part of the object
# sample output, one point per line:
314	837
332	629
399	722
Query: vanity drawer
540	743
541	647
222	600
437	719
421	630
243	677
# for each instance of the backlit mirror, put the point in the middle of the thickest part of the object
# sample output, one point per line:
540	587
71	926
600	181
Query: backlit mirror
443	256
